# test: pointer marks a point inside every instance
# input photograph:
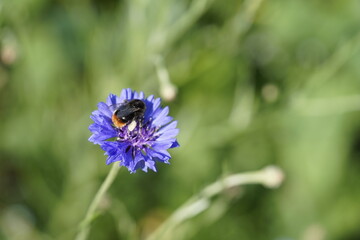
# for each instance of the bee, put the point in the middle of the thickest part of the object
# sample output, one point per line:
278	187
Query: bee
129	114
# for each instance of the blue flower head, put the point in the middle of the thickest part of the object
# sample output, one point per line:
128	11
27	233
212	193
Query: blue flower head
141	142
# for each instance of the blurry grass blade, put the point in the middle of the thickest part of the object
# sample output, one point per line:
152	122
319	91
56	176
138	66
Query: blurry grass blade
196	9
346	50
243	109
328	106
243	21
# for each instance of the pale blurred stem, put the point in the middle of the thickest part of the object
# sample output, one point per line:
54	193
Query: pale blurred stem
196	9
243	21
90	214
334	63
269	176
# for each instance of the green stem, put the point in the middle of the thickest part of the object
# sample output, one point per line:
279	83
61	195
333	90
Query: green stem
85	224
270	176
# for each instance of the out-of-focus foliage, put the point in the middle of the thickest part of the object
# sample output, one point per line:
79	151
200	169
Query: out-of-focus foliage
258	83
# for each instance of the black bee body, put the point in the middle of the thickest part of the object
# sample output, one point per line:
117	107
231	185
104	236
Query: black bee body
129	112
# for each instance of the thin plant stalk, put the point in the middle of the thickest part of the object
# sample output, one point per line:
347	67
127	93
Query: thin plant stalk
270	176
90	214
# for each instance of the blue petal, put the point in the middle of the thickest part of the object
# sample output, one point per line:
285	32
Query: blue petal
136	163
99	138
128	94
159	116
101	119
128	158
104	109
122	97
112	99
156	104
159	156
175	144
139	164
168	130
165	120
150	164
141	95
138	95
162	144
111	147
150	98
171	134
159	153
112	158
135	95
168	127
104	126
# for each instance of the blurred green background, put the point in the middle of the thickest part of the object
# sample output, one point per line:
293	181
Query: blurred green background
258	83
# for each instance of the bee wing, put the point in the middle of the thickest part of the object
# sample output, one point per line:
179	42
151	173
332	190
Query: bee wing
115	107
122	109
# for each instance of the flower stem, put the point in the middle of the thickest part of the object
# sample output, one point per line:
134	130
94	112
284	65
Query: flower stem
90	214
270	176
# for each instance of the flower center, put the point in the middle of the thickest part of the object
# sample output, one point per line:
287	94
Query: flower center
140	137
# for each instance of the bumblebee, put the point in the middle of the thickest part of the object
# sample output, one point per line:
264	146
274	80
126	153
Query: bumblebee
129	114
